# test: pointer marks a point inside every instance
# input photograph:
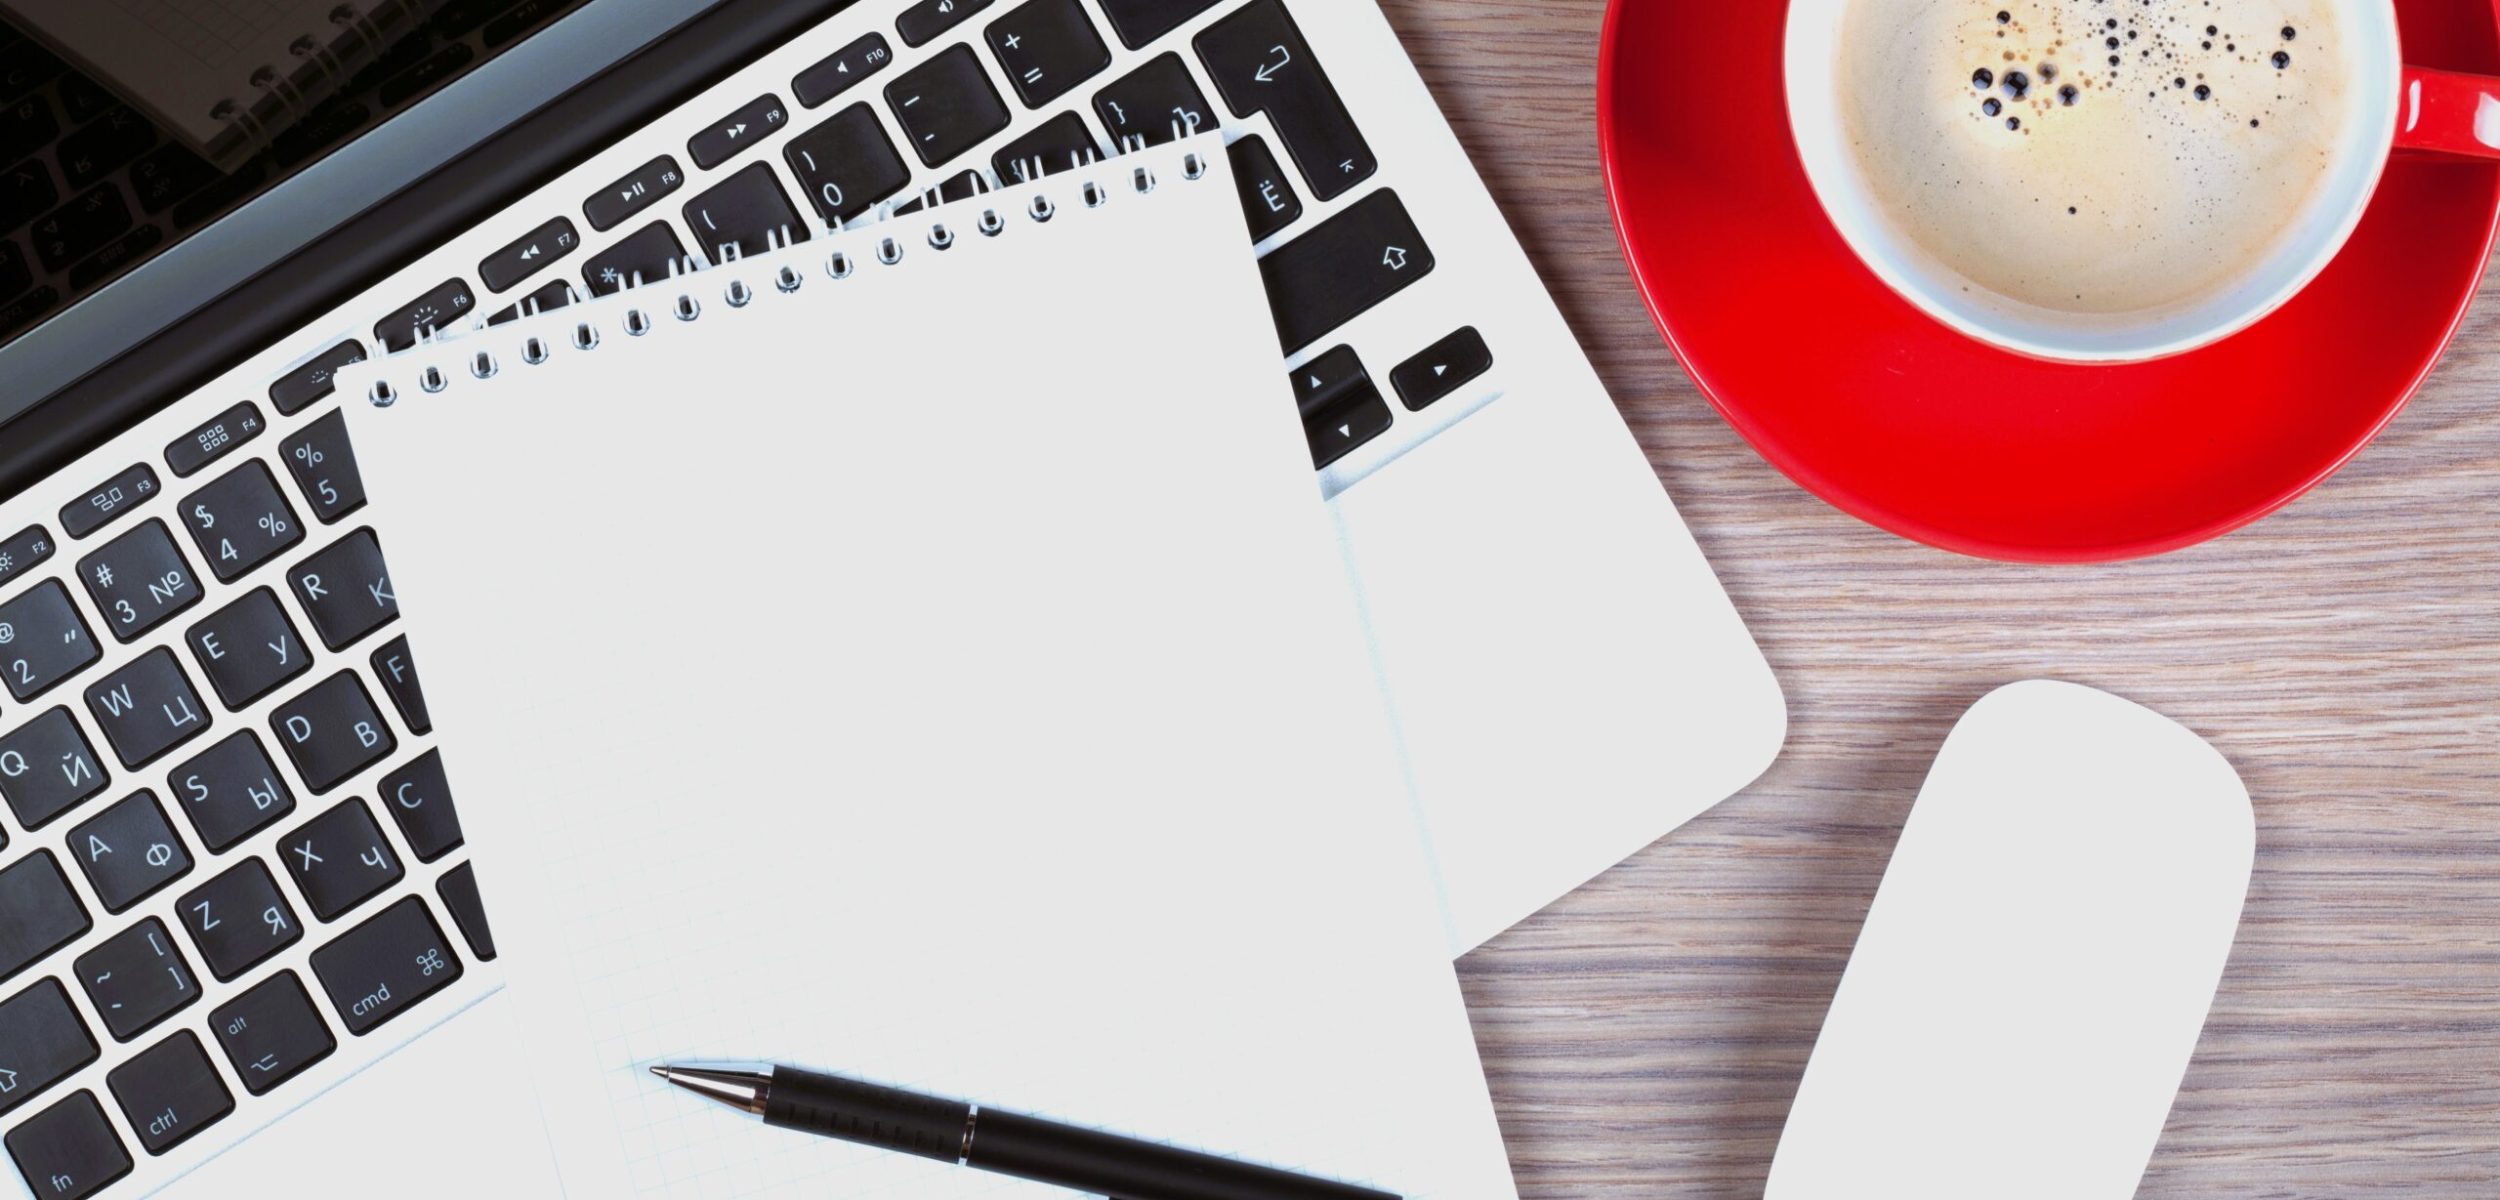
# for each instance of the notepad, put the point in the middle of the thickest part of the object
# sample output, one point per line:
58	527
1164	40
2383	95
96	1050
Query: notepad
923	655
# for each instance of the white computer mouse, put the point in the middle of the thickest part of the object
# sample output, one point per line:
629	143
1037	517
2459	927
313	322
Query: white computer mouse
2038	962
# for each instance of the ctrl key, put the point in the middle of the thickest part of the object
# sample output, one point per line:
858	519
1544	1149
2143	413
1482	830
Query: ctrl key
376	970
271	1032
170	1092
68	1151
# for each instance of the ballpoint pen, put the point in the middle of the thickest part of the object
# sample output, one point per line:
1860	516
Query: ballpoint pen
1007	1143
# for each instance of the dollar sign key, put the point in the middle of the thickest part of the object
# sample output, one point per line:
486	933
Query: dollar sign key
200	513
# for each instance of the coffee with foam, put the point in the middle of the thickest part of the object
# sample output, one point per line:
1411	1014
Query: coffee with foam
2102	160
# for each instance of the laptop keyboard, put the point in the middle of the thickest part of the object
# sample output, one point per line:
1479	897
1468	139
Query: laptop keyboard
89	188
234	849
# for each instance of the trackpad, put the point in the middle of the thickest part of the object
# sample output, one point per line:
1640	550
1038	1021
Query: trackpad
1569	680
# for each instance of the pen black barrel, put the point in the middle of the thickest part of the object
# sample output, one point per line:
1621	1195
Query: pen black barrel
867	1114
1100	1163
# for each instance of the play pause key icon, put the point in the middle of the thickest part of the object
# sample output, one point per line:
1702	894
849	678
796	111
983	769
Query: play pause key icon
1444	367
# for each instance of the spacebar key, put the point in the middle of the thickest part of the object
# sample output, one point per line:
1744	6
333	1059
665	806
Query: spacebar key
1343	268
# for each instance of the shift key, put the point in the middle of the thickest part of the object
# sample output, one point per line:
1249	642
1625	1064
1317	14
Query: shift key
1343	267
376	970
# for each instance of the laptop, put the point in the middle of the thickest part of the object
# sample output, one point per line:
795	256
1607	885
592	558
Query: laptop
204	668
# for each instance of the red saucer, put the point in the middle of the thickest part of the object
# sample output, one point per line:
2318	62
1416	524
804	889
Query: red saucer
1872	405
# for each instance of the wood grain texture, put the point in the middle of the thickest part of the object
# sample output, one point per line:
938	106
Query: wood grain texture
1645	1034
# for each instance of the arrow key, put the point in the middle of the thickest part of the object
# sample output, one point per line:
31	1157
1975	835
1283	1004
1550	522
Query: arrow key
754	121
507	267
1341	406
1444	367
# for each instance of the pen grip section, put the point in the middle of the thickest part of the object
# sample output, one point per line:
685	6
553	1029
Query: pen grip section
867	1114
1102	1163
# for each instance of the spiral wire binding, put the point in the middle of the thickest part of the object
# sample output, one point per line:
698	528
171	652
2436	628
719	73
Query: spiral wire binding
286	91
788	279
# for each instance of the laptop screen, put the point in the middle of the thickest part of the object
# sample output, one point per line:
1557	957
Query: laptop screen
91	188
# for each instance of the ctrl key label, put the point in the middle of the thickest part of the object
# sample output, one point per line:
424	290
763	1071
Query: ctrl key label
68	1151
170	1092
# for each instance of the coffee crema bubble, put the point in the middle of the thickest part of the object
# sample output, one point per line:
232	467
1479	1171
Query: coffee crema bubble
2104	157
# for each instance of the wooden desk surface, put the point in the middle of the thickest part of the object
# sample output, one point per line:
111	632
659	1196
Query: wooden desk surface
1645	1034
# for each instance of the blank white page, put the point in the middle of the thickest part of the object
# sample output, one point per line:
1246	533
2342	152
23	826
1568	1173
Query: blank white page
944	675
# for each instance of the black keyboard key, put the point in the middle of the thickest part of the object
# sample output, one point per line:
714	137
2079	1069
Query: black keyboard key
169	1092
47	768
98	149
456	19
729	137
107	501
137	978
80	227
82	98
375	971
68	1151
15	275
1047	47
47	640
419	798
248	648
1444	367
962	185
842	70
240	521
208	443
238	919
458	889
326	127
26	192
332	732
38	913
1062	143
167	175
398	673
946	105
339	859
1344	267
1140	22
524	17
743	215
546	298
650	255
21	312
522	259
220	197
116	254
847	164
230	791
22	550
270	1033
346	589
1261	64
139	580
25	127
416	80
128	851
641	188
24	66
1155	103
1267	196
147	708
924	21
41	1042
444	307
1341	406
315	378
324	466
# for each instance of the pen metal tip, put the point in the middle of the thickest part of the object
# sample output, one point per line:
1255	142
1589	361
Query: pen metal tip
662	1072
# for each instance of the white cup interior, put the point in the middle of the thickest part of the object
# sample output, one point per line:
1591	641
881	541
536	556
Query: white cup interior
2367	134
